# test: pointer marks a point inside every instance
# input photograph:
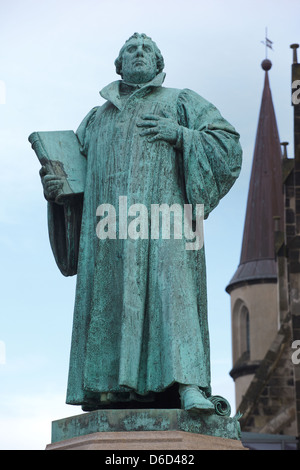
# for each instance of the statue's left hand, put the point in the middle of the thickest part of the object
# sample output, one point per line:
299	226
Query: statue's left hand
159	128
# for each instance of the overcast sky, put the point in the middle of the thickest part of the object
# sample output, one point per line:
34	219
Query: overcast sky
55	57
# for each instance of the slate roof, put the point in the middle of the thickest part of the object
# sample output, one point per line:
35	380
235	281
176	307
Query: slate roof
265	198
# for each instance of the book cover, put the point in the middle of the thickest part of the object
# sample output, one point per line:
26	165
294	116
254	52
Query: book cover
59	152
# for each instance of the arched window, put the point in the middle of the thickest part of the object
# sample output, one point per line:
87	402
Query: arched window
244	330
241	330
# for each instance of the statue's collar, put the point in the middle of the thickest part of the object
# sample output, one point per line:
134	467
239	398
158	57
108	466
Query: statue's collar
112	91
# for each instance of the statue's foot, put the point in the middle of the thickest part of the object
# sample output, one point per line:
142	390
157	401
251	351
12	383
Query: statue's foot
193	399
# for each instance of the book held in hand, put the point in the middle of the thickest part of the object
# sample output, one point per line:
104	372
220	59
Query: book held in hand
59	152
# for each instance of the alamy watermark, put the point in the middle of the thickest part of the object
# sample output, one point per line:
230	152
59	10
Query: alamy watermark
161	217
296	353
296	94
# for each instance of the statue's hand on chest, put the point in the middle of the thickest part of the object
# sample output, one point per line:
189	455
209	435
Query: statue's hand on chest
159	128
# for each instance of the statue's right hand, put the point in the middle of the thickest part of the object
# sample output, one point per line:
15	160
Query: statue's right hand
52	184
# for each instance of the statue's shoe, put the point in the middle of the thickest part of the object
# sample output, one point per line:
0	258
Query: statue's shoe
193	399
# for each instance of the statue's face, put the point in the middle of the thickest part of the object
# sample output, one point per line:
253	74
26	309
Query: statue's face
139	61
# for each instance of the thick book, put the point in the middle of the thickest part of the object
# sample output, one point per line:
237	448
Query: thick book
59	152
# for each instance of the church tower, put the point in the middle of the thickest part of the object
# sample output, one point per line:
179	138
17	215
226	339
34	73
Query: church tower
265	289
254	288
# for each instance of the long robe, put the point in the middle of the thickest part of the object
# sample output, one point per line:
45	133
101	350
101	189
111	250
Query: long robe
140	317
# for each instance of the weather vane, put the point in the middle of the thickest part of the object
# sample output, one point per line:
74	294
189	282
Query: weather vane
268	43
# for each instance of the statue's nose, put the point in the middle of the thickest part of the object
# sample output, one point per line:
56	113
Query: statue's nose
139	51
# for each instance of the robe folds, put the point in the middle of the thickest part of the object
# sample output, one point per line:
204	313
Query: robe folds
140	317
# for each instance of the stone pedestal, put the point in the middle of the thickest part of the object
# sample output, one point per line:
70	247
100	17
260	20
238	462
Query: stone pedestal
150	429
147	440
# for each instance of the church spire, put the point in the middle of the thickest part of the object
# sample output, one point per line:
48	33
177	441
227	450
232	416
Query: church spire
265	200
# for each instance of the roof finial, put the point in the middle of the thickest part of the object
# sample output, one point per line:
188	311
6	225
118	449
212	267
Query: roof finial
268	43
266	63
294	47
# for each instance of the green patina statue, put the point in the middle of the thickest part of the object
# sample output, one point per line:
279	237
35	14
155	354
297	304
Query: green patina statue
140	333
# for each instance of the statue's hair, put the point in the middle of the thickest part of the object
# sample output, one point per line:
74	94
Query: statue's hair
159	58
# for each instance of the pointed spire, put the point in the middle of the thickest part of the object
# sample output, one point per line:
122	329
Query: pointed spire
265	199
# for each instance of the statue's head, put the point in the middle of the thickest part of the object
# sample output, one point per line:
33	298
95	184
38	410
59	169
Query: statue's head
139	60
